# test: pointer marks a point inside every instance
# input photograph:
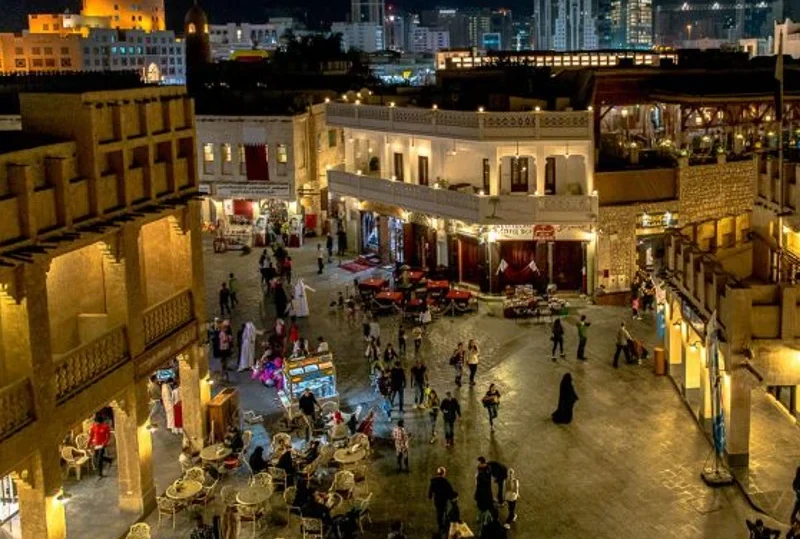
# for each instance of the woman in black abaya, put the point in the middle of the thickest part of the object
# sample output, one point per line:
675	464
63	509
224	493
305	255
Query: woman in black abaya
566	401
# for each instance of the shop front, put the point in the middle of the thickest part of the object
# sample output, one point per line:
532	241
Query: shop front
250	213
650	231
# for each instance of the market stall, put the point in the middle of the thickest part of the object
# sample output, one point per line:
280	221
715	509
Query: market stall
316	373
522	301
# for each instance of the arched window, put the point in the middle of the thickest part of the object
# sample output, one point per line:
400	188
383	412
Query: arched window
192	29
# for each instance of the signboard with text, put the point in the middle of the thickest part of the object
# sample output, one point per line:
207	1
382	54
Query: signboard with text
514	232
544	233
253	190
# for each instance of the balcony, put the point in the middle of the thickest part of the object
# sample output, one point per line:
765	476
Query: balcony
485	210
16	408
544	125
163	318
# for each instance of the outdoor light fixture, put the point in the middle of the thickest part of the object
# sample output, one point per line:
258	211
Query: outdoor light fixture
480	109
537	108
358	172
358	101
435	106
391	104
590	108
327	99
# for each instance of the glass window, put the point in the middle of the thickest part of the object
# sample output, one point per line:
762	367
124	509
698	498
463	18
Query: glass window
332	139
227	157
208	152
18	50
65	50
37	62
422	169
48	50
20	63
519	174
66	62
283	153
35	50
550	176
242	160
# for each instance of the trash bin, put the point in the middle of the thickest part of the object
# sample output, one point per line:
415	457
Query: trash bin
659	361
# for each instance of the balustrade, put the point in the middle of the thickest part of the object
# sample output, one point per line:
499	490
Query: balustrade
90	362
16	408
165	317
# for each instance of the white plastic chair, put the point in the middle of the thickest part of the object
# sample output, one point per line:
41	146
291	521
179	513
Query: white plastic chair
75	458
140	530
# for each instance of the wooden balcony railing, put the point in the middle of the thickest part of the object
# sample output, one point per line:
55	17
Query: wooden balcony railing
90	362
165	317
16	408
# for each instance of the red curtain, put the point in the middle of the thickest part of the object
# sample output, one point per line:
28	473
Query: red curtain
255	159
568	265
243	207
518	255
471	260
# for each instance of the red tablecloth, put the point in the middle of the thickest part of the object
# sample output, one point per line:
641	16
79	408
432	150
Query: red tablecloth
437	285
458	295
415	275
373	283
396	297
416	302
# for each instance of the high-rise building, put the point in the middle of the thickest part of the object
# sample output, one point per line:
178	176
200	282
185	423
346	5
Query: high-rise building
565	25
396	32
424	39
687	24
632	24
367	11
144	15
365	37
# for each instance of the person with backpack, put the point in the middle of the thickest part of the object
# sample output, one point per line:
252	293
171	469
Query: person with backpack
557	336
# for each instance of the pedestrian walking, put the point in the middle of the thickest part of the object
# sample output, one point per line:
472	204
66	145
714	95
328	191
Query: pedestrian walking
557	336
225	348
432	404
583	329
512	495
400	436
366	317
390	354
457	362
398	383
99	437
759	531
425	317
401	339
320	259
308	405
341	238
441	492
419	381
566	401
329	246
286	269
451	410
267	274
473	357
491	401
371	353
281	300
233	287
224	300
417	334
498	472
375	331
623	338
483	497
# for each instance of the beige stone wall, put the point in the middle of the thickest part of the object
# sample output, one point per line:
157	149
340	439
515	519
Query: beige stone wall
714	191
163	253
616	241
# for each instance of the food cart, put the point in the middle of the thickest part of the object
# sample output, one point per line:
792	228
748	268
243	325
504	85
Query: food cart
316	373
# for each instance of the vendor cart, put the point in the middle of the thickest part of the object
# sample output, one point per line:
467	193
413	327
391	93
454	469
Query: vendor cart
316	373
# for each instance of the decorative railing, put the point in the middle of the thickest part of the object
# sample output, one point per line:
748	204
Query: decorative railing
90	362
504	209
16	408
165	317
571	125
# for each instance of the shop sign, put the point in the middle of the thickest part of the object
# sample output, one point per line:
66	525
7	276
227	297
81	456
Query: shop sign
544	233
659	220
513	232
165	349
253	190
204	189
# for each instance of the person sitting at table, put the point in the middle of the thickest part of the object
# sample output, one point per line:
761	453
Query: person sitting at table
286	463
186	460
316	508
233	440
310	454
257	461
303	495
368	424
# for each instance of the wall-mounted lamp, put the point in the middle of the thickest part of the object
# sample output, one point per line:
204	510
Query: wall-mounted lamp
695	345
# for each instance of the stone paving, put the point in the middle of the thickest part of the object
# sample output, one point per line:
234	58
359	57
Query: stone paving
627	467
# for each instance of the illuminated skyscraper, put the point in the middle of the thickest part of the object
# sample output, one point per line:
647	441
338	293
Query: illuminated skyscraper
632	24
371	11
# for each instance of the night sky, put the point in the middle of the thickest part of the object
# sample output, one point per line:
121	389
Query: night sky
13	12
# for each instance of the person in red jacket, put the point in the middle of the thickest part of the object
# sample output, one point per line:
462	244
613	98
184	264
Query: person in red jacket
99	437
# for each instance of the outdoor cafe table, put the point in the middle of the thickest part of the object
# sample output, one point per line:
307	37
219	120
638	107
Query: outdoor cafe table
373	284
215	453
458	295
254	495
184	489
415	275
437	285
345	456
389	296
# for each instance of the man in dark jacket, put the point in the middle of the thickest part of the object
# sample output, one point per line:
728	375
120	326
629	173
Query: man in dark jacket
441	492
498	472
451	410
397	383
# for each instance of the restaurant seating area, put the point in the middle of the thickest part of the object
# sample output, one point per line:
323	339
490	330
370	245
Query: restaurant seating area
326	485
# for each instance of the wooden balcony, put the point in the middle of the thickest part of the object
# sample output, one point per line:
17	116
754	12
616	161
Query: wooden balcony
164	318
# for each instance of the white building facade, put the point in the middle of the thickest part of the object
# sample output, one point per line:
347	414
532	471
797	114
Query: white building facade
249	164
471	191
428	40
227	39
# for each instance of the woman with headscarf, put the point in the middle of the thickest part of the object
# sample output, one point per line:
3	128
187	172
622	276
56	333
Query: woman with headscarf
566	401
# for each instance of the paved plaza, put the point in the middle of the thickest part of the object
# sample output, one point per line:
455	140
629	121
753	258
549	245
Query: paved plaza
627	467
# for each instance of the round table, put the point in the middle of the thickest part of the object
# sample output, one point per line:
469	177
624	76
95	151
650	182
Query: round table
215	453
188	490
345	456
253	495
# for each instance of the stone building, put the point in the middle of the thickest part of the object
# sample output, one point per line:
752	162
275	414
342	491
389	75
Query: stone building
101	284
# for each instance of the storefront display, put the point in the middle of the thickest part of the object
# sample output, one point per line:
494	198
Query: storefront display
316	373
523	301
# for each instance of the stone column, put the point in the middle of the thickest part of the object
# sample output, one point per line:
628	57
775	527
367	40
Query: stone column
41	514
195	393
737	416
383	238
195	251
137	492
704	413
591	263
